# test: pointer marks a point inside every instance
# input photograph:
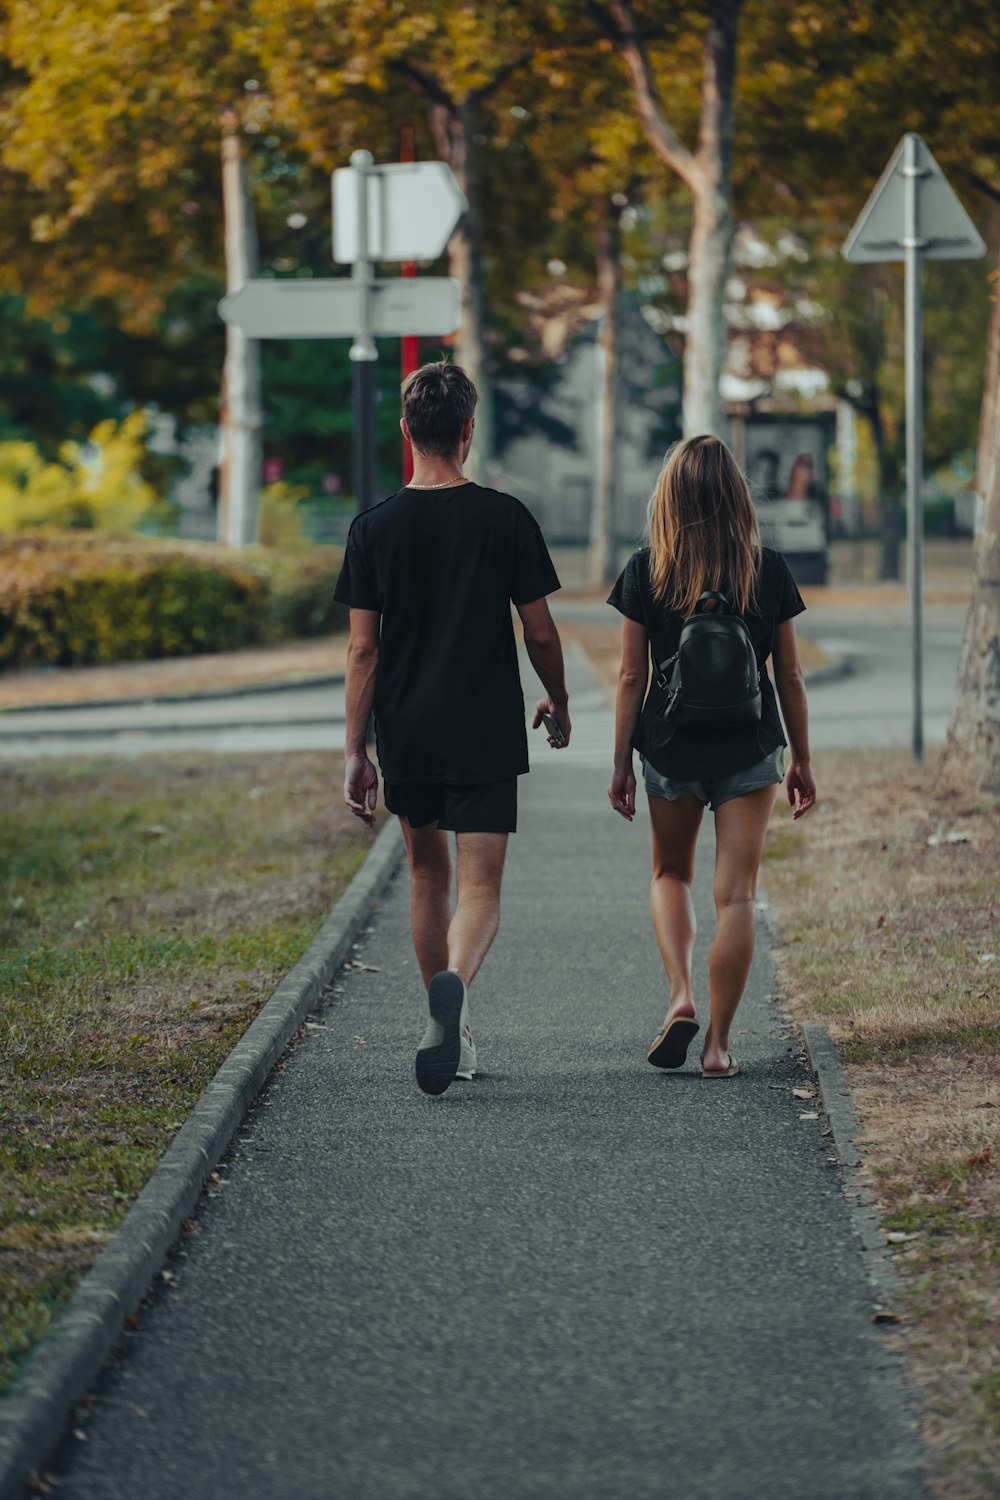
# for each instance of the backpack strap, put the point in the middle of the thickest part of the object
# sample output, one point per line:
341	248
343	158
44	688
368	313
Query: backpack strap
661	673
725	600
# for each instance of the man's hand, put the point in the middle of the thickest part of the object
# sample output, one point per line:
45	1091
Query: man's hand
560	712
361	787
799	784
622	792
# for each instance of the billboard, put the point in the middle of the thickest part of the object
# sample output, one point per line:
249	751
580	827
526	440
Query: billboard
786	462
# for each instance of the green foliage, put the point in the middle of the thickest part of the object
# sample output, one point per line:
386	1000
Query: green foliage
76	599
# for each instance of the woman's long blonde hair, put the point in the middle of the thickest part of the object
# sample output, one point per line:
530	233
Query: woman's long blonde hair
703	531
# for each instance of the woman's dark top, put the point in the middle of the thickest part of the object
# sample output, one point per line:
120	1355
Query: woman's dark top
701	754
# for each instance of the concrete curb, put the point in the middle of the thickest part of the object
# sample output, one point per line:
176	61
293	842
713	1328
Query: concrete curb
247	690
66	1362
825	1066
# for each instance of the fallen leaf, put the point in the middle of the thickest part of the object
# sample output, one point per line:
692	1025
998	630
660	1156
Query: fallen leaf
981	1158
132	1320
809	1115
803	1093
880	922
360	1041
898	1237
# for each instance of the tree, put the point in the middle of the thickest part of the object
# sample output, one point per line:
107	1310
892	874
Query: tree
707	172
384	59
972	750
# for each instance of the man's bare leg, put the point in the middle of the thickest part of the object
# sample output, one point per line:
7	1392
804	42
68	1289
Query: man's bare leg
430	896
477	915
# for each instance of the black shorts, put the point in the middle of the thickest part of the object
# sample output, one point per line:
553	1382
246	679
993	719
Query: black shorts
486	807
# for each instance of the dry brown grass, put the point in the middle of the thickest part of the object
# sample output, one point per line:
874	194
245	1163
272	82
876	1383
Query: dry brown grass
887	909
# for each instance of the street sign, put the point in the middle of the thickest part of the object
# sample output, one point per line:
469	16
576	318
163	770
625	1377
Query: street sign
331	309
413	208
913	215
944	230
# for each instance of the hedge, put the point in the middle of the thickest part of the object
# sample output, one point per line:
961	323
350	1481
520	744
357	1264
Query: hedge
72	598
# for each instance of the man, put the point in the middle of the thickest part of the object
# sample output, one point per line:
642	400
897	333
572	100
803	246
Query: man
429	576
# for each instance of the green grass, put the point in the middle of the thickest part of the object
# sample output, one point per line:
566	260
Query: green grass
147	910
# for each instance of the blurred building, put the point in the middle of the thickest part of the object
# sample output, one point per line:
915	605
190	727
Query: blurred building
549	435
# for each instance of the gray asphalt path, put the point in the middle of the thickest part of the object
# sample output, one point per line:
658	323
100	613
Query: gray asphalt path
575	1277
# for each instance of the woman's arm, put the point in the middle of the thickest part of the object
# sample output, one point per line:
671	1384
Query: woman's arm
791	687
633	678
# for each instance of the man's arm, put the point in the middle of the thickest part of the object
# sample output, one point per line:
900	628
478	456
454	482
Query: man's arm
544	648
360	776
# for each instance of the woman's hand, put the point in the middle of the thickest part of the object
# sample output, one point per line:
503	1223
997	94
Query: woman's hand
622	792
799	785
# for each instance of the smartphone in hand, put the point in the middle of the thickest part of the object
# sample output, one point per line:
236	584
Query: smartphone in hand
553	728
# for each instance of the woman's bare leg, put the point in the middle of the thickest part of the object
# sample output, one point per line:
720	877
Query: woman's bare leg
675	832
740	827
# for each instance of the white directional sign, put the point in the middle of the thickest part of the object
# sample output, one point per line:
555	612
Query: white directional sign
331	309
413	208
944	230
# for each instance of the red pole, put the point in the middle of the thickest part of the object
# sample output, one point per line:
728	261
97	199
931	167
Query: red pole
410	348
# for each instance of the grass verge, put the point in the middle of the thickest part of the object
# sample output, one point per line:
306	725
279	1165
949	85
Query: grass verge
147	911
886	904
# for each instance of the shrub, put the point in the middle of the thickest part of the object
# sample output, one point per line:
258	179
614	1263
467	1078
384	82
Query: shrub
82	598
109	492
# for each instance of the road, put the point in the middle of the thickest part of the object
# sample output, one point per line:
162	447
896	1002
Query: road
871	707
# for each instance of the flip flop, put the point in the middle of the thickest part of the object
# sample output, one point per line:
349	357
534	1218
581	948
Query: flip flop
728	1072
671	1043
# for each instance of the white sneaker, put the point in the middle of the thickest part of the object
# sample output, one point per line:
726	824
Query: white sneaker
467	1055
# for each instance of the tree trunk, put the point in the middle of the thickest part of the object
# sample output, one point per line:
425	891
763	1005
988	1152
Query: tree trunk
972	752
455	128
240	415
603	554
712	227
889	484
708	174
991	392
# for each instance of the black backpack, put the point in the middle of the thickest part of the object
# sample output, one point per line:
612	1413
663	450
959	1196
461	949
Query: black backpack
712	681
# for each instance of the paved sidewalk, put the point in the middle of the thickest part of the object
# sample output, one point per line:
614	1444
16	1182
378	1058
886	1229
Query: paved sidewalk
576	1277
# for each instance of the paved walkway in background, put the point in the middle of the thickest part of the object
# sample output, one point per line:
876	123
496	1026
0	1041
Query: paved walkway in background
576	1277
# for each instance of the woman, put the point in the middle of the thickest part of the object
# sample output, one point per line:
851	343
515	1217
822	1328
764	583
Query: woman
703	534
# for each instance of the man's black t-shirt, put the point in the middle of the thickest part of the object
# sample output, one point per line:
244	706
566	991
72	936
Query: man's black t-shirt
699	754
442	568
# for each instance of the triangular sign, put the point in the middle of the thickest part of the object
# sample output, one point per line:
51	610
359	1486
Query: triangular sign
944	230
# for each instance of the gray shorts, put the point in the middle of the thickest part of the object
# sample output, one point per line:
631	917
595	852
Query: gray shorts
767	772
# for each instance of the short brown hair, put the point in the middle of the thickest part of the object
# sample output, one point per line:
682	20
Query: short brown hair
438	399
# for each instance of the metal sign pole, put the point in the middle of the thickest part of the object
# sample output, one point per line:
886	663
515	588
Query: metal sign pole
363	353
913	215
913	246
